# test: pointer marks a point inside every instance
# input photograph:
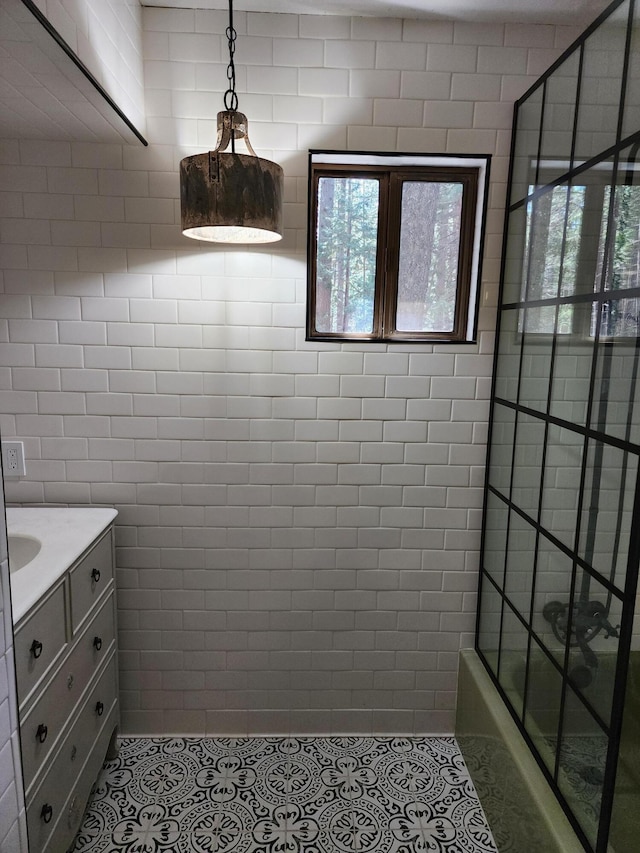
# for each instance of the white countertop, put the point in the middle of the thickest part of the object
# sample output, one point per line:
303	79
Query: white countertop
65	534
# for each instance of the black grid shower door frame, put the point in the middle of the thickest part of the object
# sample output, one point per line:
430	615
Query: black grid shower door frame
590	436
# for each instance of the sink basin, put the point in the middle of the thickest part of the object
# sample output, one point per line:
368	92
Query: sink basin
22	549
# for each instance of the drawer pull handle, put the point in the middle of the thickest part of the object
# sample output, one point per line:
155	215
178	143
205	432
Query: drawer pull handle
97	643
46	813
42	732
36	648
99	709
95	575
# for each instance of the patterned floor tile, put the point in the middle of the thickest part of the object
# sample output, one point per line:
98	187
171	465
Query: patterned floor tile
285	795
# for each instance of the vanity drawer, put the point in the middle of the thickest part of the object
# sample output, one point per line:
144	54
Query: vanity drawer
61	798
39	641
44	722
66	829
89	579
93	647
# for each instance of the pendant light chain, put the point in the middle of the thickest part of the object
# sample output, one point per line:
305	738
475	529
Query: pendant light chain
230	97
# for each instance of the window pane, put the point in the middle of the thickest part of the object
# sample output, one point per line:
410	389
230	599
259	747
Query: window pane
572	363
544	701
594	641
502	448
625	239
583	754
511	337
527	464
617	389
347	232
495	538
513	651
518	576
536	357
560	98
553	222
553	587
620	319
490	623
572	239
515	250
527	139
563	469
609	492
429	249
632	92
600	82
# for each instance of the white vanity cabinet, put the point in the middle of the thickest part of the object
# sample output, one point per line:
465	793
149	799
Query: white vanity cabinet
66	667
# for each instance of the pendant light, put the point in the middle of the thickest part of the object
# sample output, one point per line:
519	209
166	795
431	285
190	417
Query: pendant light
230	197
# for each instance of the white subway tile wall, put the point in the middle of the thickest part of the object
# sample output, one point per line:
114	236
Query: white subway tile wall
298	529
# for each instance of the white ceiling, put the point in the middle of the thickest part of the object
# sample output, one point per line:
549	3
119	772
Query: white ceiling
578	12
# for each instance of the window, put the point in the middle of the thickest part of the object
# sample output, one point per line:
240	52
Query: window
394	246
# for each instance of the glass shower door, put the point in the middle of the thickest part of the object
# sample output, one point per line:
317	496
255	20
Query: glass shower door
561	539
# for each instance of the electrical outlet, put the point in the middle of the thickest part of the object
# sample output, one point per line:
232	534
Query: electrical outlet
13	459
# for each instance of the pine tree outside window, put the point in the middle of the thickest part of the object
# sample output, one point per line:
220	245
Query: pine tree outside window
395	244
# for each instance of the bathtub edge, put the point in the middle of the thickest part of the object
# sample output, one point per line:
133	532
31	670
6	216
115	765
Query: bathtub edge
487	735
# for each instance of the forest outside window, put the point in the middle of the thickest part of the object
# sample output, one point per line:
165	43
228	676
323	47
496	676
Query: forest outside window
395	243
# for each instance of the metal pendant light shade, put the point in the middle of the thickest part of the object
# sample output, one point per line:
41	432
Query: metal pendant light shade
229	197
226	197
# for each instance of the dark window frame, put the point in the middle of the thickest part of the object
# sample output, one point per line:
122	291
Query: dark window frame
392	170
